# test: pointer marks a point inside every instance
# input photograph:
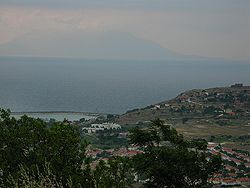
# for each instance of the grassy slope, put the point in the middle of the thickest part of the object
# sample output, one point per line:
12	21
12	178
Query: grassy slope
199	124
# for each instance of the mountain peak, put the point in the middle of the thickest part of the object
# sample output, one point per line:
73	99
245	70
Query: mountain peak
92	45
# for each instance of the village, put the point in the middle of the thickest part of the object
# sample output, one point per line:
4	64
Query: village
101	127
236	166
234	172
218	105
219	102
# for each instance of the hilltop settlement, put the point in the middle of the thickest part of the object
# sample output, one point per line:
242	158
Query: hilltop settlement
220	115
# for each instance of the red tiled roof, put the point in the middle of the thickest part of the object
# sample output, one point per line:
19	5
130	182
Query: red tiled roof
227	150
133	152
228	167
215	152
235	160
93	152
243	179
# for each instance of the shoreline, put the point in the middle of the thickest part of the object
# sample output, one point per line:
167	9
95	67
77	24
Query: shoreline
58	115
58	112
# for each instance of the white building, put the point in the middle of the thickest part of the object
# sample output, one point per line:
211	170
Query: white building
101	127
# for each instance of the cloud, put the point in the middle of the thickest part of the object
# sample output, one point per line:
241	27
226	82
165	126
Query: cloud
177	5
207	28
84	3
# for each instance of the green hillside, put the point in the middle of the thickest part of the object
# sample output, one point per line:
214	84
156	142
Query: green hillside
220	112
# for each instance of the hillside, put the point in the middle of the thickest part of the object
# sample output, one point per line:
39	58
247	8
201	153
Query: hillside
201	112
218	103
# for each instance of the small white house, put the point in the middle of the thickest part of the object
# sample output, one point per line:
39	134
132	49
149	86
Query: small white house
101	127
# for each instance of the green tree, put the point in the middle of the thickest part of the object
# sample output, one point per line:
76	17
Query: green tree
115	173
169	160
30	143
22	143
184	120
27	144
66	153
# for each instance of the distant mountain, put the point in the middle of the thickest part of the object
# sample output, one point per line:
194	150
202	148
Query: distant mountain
93	45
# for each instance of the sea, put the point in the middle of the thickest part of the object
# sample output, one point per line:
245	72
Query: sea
107	86
56	116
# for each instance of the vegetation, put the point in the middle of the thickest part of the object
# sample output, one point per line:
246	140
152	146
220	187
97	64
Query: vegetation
38	154
169	160
106	139
230	138
29	144
117	172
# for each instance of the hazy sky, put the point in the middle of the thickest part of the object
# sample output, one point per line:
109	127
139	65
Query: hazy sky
211	28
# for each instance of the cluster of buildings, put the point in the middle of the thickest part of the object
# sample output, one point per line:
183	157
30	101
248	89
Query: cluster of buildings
99	154
235	170
101	127
217	101
236	166
122	152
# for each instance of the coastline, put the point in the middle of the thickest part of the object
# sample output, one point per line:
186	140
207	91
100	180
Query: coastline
58	115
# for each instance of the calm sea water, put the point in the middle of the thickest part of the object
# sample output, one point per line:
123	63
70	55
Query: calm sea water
39	84
59	116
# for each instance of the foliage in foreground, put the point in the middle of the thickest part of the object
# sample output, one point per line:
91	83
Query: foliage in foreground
169	160
27	180
29	143
36	154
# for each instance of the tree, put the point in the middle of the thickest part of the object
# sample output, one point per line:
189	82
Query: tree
184	120
30	143
22	143
65	152
110	117
115	173
27	145
169	160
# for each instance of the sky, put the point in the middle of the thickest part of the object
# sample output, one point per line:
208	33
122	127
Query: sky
208	28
